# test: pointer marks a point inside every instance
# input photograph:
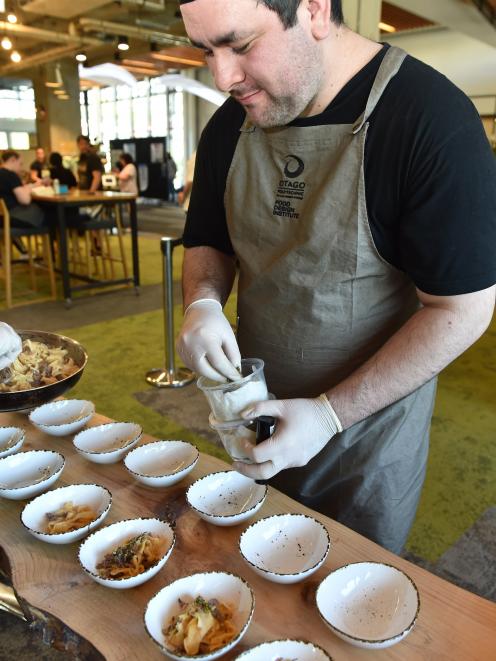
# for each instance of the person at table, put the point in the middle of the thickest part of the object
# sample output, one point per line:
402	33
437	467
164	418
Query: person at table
58	171
37	166
355	188
127	174
16	195
90	167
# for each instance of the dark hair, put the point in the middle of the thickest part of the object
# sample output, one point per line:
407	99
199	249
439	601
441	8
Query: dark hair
55	159
83	137
8	154
286	10
127	158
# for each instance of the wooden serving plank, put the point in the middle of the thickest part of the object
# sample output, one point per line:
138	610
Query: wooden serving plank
453	624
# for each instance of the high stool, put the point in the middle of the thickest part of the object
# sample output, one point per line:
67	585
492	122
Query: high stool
39	253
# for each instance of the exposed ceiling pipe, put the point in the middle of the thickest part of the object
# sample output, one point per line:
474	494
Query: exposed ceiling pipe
93	24
35	60
47	35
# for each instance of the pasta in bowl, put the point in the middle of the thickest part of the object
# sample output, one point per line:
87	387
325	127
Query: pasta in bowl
200	616
48	366
127	553
67	514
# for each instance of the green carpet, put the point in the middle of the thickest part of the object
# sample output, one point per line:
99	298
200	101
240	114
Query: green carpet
150	271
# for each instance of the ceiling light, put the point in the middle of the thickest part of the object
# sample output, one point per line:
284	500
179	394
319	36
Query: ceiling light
123	43
81	57
54	76
12	18
15	56
385	27
6	43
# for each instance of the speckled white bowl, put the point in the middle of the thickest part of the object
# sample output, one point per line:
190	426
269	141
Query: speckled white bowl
103	541
11	440
162	463
285	548
369	604
62	417
34	515
297	650
98	443
226	498
227	588
26	474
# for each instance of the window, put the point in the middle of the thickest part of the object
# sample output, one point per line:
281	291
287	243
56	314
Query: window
4	141
19	140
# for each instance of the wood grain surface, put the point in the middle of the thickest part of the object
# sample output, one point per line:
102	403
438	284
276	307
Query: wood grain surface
453	624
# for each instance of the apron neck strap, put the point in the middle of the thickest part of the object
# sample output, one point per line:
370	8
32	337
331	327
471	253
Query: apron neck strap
390	66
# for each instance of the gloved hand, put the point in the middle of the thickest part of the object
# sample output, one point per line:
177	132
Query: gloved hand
206	342
10	345
303	428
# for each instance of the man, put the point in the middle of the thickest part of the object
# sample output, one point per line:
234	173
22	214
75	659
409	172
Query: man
16	195
354	186
37	166
90	167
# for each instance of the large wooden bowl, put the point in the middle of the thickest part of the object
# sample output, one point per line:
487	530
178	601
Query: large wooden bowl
28	399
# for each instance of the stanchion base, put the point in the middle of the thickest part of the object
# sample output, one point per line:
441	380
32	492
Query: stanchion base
161	378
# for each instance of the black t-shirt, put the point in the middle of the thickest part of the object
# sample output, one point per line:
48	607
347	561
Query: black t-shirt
8	181
430	177
38	167
64	175
87	164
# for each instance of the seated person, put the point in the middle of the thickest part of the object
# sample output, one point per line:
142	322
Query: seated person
58	171
16	195
128	175
37	166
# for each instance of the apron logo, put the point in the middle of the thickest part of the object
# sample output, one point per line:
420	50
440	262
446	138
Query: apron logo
290	190
294	166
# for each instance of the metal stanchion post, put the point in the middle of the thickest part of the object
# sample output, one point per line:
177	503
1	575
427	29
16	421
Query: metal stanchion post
169	377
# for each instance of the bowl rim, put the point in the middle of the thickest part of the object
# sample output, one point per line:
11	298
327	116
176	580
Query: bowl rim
285	640
128	578
62	424
373	641
69	532
27	486
232	643
163	440
223	516
277	516
62	337
108	424
20	440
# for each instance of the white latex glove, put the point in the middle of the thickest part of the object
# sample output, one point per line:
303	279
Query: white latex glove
10	345
303	428
206	342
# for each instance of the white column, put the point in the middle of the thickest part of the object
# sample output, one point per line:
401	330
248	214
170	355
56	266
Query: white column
363	16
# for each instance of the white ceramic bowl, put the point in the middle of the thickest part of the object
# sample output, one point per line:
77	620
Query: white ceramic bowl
27	474
107	443
11	440
226	498
285	548
162	463
96	546
227	588
62	417
369	604
285	649
34	515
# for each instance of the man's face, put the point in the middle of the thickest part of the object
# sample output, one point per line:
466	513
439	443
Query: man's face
274	73
14	164
83	146
40	155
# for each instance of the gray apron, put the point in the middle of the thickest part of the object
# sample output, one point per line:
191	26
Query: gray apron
316	300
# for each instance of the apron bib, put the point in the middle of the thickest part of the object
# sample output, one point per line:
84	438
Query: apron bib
316	300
